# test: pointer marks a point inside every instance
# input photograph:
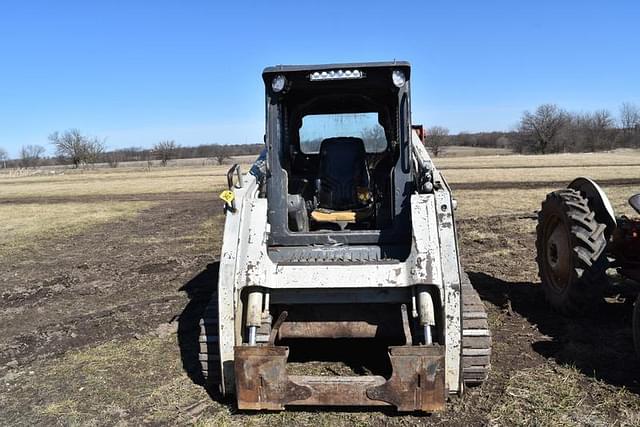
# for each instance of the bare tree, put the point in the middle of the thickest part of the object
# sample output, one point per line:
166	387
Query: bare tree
220	152
165	151
4	156
95	149
599	125
629	117
375	138
114	158
543	126
30	155
435	139
71	145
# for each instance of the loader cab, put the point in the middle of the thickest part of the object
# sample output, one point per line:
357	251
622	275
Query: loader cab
339	169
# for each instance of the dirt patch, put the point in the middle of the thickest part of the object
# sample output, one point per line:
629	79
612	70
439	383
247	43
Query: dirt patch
91	198
497	185
585	165
99	329
103	284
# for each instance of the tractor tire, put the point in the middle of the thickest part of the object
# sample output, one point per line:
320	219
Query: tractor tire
571	252
636	325
209	352
476	336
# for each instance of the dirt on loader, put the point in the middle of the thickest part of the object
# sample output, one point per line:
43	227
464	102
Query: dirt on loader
101	328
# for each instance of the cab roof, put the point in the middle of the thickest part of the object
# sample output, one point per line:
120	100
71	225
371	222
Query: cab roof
364	65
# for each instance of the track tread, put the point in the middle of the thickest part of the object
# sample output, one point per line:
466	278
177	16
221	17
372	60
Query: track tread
476	336
209	355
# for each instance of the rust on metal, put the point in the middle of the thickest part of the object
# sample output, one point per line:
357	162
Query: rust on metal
333	321
408	340
416	384
417	381
276	327
330	329
339	391
261	378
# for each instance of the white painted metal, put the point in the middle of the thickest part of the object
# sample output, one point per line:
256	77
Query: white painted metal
233	243
433	262
452	302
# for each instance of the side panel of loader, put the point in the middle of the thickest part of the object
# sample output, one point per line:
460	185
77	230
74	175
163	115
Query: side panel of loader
235	242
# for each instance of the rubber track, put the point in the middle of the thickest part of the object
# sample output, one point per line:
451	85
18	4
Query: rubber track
209	354
476	336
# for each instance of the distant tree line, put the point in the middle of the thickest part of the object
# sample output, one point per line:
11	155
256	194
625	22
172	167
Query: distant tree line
547	129
167	150
75	149
551	129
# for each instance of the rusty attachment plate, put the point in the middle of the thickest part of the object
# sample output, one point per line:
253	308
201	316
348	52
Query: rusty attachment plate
416	384
417	381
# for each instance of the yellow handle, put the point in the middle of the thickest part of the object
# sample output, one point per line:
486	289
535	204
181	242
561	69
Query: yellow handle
227	196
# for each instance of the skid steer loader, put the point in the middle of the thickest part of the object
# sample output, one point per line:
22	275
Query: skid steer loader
342	232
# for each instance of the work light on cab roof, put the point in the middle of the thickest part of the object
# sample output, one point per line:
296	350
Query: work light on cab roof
398	78
336	75
278	84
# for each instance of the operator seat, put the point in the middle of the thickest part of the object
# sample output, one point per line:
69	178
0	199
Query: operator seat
343	182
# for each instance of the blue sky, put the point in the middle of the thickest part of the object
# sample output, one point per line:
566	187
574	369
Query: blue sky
136	72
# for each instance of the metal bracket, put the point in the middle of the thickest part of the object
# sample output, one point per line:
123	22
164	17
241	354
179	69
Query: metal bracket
416	384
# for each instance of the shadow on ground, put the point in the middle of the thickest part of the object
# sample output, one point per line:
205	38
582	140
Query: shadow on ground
199	290
599	344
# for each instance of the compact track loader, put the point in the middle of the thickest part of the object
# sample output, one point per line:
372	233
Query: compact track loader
342	233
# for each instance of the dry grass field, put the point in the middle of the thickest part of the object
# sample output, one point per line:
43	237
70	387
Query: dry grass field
103	273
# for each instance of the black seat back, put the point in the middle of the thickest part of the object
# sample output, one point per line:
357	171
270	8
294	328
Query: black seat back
343	168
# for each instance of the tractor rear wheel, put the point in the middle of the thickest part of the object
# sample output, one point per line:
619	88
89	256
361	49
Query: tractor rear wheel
571	254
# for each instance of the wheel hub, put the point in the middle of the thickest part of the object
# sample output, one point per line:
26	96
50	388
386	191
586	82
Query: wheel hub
558	255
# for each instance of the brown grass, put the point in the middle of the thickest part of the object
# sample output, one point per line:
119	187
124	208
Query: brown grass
547	174
482	203
114	182
26	225
459	151
560	396
619	157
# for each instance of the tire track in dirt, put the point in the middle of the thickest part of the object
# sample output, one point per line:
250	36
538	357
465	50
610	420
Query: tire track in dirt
507	167
93	198
118	279
504	185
